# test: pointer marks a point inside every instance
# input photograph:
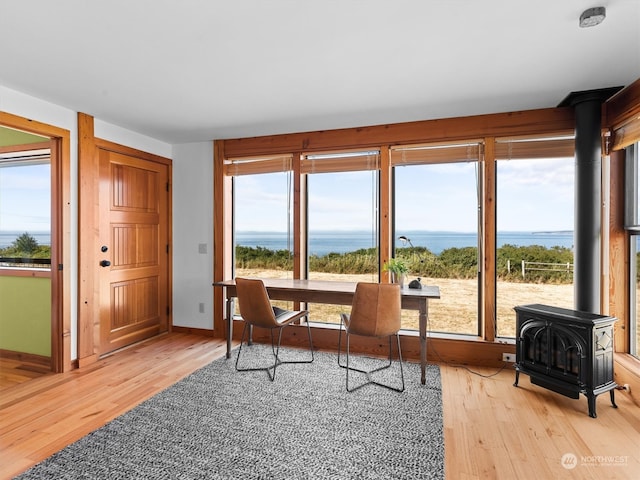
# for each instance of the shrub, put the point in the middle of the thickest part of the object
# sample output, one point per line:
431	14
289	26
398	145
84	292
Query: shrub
451	263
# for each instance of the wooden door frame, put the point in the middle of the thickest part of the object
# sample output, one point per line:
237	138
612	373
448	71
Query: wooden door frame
60	234
88	235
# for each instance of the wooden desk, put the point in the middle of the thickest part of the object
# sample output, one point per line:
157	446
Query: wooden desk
336	293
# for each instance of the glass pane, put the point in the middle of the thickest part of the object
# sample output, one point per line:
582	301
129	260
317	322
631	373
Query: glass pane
634	150
436	222
262	227
343	232
25	213
635	296
534	221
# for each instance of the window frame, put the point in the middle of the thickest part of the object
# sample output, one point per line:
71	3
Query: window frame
539	122
25	155
559	145
632	228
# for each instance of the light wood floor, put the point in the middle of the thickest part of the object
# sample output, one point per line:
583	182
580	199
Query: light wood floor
492	429
14	372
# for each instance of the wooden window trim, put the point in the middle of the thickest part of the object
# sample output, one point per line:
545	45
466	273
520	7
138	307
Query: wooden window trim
252	166
502	126
468	151
26	272
341	162
534	148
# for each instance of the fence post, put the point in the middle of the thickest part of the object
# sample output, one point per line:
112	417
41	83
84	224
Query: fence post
522	268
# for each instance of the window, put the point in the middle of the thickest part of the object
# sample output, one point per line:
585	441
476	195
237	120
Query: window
262	218
632	224
25	209
262	225
436	217
262	204
534	225
342	222
634	287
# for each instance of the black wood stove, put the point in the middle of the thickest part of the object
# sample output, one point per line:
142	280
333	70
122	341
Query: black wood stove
566	351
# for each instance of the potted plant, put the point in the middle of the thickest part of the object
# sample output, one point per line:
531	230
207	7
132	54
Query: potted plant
397	269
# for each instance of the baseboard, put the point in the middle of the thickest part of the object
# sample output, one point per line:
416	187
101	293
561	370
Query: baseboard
193	331
627	371
26	357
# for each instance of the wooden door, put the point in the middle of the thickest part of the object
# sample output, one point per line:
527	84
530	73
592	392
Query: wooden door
134	237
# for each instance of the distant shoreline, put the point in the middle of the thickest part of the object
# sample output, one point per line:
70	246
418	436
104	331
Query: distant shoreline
343	241
7	237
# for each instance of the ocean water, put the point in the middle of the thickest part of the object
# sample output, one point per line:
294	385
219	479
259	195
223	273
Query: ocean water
322	243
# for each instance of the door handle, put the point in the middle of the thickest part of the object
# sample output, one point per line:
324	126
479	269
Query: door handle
105	263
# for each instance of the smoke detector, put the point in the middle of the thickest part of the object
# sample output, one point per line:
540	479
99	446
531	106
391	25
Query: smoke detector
592	16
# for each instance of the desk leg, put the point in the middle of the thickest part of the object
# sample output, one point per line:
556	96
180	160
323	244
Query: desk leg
229	325
424	307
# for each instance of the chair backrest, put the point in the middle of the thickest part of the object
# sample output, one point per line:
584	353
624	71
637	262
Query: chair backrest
254	303
375	310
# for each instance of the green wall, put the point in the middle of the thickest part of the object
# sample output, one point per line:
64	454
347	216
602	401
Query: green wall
8	136
25	315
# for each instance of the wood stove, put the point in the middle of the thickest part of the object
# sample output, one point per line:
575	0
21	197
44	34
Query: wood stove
567	351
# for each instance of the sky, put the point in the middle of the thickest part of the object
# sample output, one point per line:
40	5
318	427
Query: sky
532	195
25	198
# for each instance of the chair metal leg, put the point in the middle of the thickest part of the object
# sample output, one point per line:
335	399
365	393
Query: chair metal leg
255	369
276	361
340	341
310	348
400	359
369	372
357	369
275	350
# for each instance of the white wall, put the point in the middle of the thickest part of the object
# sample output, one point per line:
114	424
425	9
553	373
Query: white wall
17	103
113	133
193	235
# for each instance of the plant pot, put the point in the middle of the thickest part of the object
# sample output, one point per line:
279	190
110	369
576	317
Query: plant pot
398	278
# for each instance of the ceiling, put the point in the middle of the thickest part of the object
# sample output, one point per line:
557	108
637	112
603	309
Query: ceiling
196	70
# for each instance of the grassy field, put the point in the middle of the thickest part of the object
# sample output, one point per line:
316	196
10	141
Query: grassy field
456	311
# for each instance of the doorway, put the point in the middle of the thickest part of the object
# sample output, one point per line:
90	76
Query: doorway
124	252
35	267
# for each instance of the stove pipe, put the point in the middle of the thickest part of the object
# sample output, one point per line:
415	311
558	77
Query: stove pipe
588	195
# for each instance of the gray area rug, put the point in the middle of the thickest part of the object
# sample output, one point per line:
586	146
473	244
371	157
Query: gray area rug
221	424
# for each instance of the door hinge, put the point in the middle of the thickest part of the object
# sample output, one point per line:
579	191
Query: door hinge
167	248
168	310
167	186
60	267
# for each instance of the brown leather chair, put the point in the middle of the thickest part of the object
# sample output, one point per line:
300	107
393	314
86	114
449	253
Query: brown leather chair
375	312
256	311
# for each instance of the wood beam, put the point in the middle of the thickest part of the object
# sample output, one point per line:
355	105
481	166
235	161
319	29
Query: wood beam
386	210
88	210
489	233
618	266
222	235
541	121
623	107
